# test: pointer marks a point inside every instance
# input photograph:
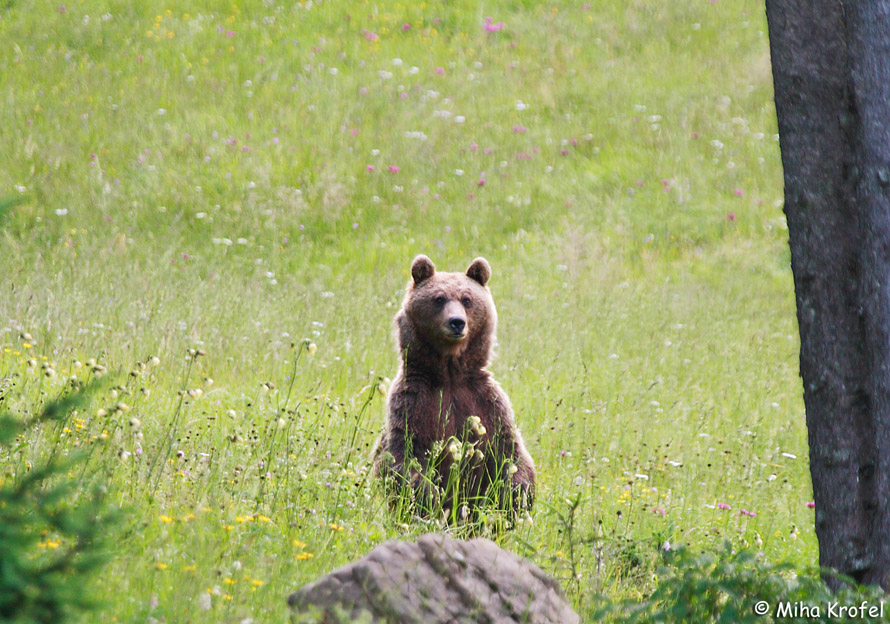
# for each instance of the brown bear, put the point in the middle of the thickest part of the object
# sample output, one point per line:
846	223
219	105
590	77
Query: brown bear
450	440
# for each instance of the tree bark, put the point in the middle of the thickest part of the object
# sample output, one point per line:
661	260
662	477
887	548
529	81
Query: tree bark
831	72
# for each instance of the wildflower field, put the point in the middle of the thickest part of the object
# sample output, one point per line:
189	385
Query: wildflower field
213	206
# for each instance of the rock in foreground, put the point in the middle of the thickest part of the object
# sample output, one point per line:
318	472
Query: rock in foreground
437	580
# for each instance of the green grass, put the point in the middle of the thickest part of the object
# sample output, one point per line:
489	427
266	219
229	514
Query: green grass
196	176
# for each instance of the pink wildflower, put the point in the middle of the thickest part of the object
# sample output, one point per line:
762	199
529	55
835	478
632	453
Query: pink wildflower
491	26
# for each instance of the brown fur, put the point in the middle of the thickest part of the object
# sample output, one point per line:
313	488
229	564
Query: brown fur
442	382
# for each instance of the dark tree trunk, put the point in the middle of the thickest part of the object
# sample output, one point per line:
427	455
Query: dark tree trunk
831	70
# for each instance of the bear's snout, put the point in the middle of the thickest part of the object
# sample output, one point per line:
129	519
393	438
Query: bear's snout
457	324
455	321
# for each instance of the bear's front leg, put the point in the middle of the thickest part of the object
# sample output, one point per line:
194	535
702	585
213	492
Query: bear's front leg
517	469
400	463
523	485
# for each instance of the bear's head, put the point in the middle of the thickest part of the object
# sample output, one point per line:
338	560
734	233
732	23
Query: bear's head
452	312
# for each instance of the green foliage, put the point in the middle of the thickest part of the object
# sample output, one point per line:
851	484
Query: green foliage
7	204
726	587
53	529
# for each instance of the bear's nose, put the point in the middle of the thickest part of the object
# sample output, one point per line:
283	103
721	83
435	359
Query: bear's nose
457	324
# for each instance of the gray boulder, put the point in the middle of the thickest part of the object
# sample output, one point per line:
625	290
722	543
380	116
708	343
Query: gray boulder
437	580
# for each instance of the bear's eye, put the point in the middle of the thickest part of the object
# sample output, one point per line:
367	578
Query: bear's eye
467	302
440	300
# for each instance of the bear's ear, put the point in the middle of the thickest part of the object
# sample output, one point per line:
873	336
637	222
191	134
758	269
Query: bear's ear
422	269
480	271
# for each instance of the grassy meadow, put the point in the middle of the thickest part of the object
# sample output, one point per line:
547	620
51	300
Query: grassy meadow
207	188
